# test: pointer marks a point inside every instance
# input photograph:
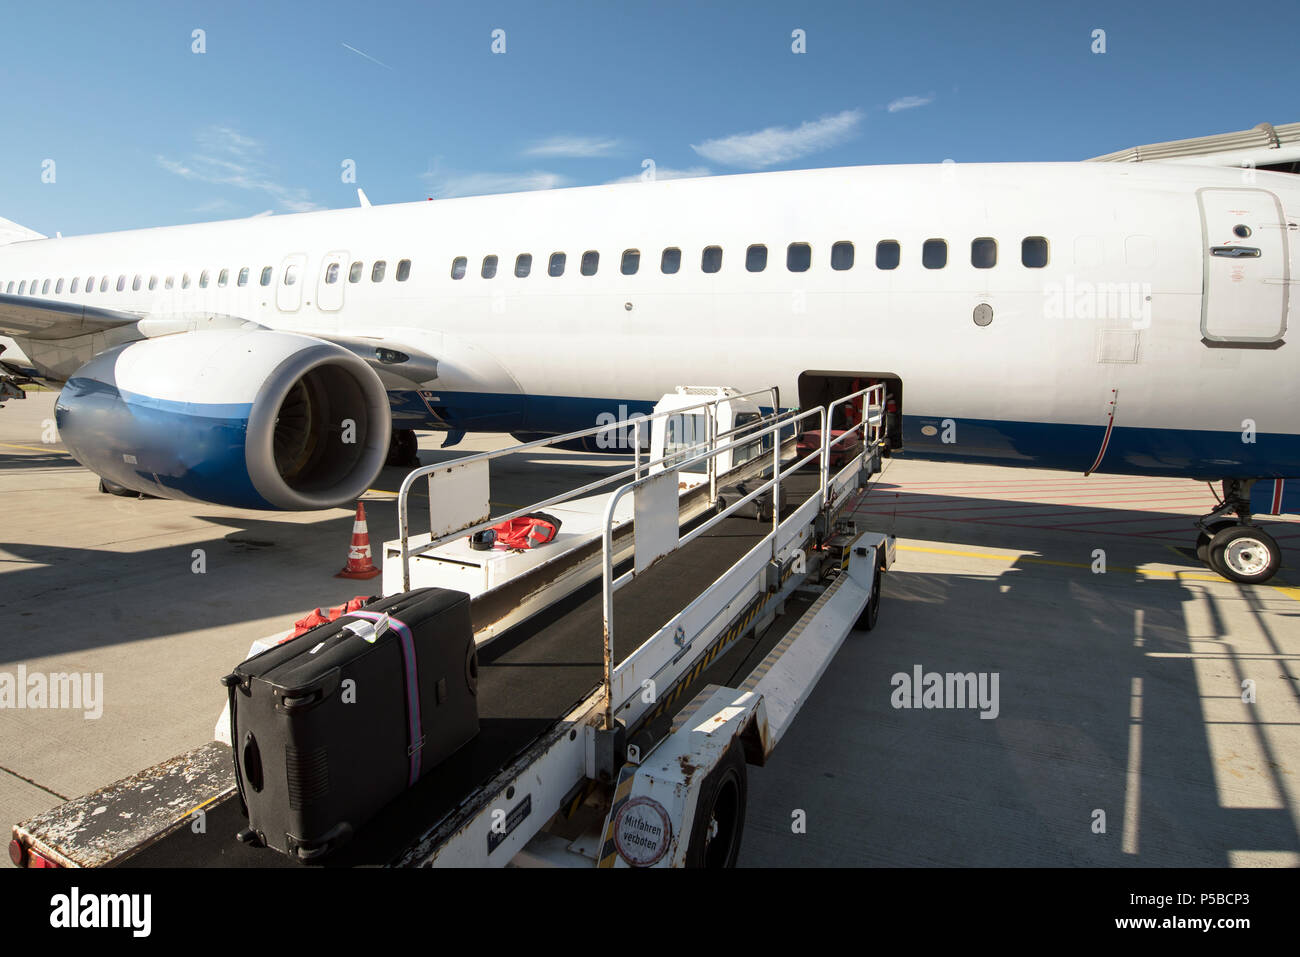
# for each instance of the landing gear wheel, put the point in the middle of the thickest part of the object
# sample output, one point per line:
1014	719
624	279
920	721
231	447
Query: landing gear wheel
1245	554
1203	540
720	813
867	620
112	488
403	449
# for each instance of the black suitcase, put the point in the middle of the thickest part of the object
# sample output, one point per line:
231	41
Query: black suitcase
330	726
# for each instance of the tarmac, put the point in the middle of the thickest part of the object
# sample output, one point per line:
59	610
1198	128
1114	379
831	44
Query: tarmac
1147	710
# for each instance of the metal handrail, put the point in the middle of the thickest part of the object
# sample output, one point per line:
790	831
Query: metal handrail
610	584
429	471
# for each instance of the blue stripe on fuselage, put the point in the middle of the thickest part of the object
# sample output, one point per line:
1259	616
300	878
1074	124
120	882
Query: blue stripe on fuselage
1193	453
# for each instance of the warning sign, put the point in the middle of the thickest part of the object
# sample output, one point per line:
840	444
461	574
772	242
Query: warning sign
642	831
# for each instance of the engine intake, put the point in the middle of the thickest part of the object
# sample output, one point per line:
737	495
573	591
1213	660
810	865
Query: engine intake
251	418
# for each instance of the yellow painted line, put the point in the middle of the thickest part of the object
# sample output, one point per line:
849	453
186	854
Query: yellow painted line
1287	590
29	448
199	807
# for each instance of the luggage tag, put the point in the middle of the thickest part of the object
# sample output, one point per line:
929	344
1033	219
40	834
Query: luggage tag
368	631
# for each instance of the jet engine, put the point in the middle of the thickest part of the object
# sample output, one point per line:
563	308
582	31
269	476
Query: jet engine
244	417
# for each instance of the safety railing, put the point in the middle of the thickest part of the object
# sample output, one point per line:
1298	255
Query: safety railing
870	426
430	472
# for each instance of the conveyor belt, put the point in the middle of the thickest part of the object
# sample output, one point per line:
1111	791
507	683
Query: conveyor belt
529	678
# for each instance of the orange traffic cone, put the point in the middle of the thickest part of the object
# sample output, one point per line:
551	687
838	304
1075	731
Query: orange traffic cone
359	563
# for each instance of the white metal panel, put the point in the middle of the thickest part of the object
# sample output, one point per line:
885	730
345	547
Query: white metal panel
656	518
460	498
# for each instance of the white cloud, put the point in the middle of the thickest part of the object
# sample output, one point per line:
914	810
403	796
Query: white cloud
665	172
779	144
449	185
909	102
579	147
228	158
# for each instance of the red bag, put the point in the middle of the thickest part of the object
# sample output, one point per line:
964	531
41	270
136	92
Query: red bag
527	531
318	617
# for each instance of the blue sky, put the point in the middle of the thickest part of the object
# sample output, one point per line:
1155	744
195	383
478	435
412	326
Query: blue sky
144	132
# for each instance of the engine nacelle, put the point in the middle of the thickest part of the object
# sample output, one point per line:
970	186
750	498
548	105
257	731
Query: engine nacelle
250	418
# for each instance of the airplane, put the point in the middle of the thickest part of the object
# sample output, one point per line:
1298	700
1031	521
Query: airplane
1126	315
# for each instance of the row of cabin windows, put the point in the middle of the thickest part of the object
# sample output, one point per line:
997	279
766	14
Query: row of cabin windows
290	278
798	258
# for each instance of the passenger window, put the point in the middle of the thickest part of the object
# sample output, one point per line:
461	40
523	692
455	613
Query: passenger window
631	262
185	281
121	283
153	283
203	279
798	257
556	267
22	286
90	284
934	254
1033	252
671	261
136	283
265	279
103	284
58	287
756	258
331	274
458	267
887	254
243	278
842	256
45	287
377	271
403	270
76	283
984	253
354	273
711	258
223	277
523	264
590	262
489	269
169	283
291	274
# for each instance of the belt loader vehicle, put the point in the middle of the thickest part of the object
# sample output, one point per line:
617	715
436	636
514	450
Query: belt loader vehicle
627	672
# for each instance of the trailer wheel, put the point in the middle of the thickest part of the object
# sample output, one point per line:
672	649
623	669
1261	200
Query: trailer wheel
720	813
867	620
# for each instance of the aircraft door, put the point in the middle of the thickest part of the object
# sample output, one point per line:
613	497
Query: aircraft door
329	287
288	294
1247	274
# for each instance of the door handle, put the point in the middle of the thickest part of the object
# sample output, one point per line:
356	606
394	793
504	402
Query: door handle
1235	252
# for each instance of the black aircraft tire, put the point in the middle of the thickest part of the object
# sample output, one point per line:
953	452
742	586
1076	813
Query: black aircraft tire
1245	554
1203	540
112	488
722	799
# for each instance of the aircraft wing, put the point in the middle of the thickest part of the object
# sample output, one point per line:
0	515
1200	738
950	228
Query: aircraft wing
1264	146
46	319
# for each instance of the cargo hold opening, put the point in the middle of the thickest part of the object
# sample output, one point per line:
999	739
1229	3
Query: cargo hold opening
823	387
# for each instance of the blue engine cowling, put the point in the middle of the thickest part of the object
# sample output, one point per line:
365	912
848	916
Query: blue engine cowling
249	418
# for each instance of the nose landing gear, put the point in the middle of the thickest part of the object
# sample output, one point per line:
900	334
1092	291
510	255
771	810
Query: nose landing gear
1236	548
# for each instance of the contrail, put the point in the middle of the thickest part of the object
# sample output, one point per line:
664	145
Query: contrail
368	57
